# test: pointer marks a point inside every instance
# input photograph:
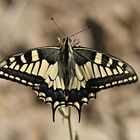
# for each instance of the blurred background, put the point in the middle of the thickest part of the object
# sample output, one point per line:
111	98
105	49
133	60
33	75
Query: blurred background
26	24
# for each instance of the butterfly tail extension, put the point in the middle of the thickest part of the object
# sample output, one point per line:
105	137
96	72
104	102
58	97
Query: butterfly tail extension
79	113
53	113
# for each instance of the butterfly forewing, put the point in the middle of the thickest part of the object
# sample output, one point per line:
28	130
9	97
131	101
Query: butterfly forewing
103	71
28	66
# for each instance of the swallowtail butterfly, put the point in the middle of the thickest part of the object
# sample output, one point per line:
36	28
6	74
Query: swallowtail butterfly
67	74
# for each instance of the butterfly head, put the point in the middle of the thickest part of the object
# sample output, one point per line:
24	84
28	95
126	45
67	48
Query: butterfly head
65	44
66	41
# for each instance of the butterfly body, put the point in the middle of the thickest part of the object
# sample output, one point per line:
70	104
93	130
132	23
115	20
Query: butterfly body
67	74
66	61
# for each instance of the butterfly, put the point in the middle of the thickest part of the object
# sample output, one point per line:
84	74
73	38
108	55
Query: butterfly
66	74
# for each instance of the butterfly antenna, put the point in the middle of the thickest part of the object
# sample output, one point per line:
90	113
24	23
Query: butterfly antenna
80	31
58	26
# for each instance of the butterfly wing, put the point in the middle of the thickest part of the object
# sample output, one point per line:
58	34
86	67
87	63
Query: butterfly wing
37	68
95	71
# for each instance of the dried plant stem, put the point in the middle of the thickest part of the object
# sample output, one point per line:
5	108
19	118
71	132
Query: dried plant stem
69	124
